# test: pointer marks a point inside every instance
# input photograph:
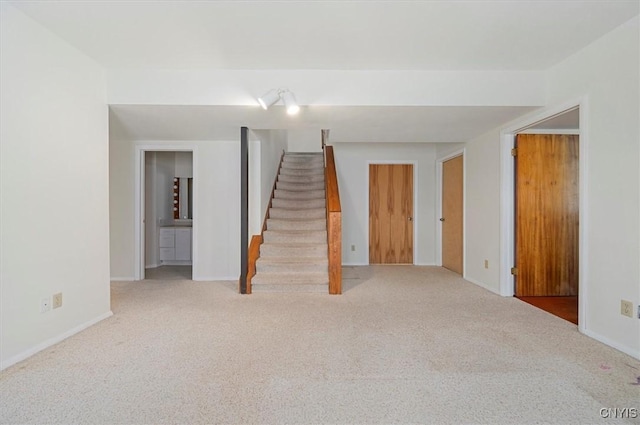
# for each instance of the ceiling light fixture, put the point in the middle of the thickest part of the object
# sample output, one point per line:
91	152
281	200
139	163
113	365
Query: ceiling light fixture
273	96
269	98
290	103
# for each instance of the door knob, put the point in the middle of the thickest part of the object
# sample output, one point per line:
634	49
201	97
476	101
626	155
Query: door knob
410	218
442	219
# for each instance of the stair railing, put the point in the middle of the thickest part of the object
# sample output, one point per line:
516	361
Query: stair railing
334	219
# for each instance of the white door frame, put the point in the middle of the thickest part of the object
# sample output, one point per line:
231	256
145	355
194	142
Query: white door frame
415	200
439	194
139	201
507	198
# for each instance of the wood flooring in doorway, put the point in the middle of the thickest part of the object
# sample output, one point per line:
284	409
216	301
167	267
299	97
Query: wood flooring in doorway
563	307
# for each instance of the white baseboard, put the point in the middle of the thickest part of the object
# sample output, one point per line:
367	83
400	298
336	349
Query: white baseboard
52	341
606	341
483	285
214	278
151	266
367	264
122	279
175	263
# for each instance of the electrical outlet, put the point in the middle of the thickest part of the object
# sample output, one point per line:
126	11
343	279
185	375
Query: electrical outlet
626	308
57	300
486	264
353	247
45	304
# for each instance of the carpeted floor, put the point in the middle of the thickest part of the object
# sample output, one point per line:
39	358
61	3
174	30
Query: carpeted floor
168	273
402	345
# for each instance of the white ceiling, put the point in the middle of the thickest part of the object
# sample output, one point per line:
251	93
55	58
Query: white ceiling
338	35
569	120
434	35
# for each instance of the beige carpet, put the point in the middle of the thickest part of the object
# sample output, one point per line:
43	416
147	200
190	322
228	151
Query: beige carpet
168	273
402	345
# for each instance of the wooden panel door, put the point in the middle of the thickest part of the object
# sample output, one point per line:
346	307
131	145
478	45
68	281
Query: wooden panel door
452	197
546	215
391	214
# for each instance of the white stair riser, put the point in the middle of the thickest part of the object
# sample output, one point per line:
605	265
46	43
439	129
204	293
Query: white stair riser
298	204
289	194
298	172
291	278
303	164
288	237
261	288
304	213
306	169
301	179
285	250
277	267
294	156
300	187
287	224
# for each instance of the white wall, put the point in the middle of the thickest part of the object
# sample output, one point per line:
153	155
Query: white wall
305	140
270	161
121	206
255	181
165	172
605	76
352	166
606	72
160	169
152	257
216	221
54	181
482	210
445	149
265	151
328	87
183	164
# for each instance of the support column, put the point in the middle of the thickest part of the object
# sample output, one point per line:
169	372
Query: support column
244	207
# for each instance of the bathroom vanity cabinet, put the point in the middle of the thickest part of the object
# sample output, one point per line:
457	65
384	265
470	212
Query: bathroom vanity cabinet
175	245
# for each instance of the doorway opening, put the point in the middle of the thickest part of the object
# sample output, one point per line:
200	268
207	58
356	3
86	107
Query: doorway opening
546	207
165	213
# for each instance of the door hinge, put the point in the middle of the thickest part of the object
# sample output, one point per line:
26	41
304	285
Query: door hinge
514	151
514	271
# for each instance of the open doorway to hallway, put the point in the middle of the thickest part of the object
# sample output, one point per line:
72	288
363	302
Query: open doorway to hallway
167	201
169	273
546	182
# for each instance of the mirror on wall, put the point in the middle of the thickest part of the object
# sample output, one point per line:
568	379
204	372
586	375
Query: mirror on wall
182	198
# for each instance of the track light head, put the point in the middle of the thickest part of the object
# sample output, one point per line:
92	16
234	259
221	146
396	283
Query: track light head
273	96
269	98
290	103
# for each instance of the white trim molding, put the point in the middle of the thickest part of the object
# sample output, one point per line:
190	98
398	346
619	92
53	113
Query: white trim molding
482	285
625	349
52	341
139	212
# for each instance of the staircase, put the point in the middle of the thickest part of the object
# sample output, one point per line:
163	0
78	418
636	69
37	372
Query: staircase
293	255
